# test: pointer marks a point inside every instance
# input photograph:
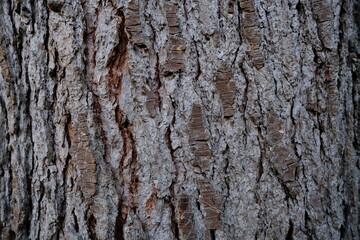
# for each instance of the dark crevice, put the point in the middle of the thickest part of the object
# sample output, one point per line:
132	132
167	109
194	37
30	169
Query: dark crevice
288	193
198	66
185	10
33	15
246	91
243	107
308	229
219	10
321	133
116	63
55	6
119	224
92	226
133	165
157	79
198	205
65	173
42	193
227	174
262	154
29	154
256	235
294	125
239	21
344	225
63	198
22	93
174	223
76	223
299	7
129	150
345	229
169	143
260	168
230	7
122	122
117	58
9	187
97	115
289	235
12	235
53	73
212	234
235	56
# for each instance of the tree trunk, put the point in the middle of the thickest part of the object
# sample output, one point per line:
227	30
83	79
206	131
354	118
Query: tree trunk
191	119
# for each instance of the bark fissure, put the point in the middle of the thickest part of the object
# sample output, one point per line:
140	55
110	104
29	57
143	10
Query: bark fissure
174	222
128	161
76	224
289	235
260	139
226	177
91	226
119	224
31	170
155	85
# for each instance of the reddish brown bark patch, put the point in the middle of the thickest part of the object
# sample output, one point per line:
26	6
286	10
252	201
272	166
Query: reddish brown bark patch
133	24
152	101
117	58
128	161
251	32
198	140
322	11
176	44
150	203
211	203
282	156
185	218
227	90
82	155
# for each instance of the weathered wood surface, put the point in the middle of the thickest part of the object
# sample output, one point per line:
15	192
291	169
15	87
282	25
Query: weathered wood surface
192	119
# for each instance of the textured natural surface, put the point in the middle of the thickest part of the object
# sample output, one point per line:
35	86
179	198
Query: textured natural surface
187	119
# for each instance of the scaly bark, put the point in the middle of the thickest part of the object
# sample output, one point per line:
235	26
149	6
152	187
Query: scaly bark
131	119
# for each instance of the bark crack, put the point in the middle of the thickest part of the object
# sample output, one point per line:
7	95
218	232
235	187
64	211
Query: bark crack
289	235
92	226
76	223
128	160
285	188
262	154
156	84
119	224
227	175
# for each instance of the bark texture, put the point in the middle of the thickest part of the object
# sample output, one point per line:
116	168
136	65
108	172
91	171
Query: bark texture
179	119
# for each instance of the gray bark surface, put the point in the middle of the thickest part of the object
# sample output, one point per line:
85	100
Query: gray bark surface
191	119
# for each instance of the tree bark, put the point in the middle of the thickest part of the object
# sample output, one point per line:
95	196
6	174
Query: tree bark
191	119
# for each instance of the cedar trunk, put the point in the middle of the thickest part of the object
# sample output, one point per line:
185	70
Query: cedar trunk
179	119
